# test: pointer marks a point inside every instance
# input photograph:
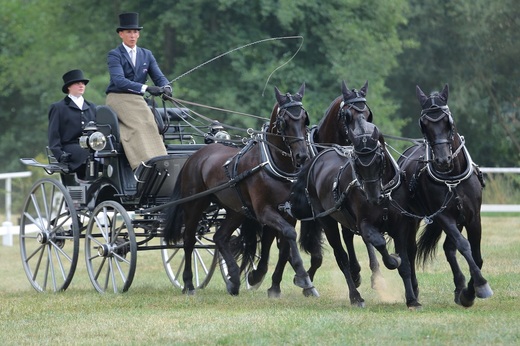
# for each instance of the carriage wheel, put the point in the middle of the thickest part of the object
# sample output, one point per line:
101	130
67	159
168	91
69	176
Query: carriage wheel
110	248
49	236
205	255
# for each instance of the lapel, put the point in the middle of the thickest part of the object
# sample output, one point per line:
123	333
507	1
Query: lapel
125	54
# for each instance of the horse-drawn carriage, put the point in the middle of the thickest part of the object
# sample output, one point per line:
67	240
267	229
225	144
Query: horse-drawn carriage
195	197
107	209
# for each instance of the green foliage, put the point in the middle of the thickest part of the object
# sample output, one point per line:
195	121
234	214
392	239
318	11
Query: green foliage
473	47
392	44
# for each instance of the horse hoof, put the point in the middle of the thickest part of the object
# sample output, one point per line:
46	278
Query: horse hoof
188	292
251	284
358	303
311	292
466	300
303	282
233	289
274	293
394	262
414	306
483	291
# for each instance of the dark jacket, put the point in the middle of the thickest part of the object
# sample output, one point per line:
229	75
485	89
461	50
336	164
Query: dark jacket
127	78
66	123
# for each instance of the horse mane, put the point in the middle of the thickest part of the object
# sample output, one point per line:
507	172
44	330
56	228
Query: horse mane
332	104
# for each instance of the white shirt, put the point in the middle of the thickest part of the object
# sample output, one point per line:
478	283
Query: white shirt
78	100
128	49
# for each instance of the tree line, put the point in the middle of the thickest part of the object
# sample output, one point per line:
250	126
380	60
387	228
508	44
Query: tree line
471	45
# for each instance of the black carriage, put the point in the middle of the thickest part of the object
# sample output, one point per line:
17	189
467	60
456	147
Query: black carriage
114	210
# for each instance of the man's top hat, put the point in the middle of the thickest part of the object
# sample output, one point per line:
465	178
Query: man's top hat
72	77
129	21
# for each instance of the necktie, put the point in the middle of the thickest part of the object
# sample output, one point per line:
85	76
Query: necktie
132	56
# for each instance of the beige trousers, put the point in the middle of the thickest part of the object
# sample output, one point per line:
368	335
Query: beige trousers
137	128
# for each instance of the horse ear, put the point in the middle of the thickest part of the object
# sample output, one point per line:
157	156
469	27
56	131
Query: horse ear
278	95
364	89
420	95
445	92
302	90
344	89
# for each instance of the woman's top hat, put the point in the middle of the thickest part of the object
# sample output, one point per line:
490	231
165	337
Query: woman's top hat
72	77
129	21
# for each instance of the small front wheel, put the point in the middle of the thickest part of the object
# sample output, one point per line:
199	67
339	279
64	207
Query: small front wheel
110	248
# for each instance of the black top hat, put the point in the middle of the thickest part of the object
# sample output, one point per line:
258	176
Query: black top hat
72	77
129	21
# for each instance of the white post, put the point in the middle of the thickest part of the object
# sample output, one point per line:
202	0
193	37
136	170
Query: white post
7	225
8	237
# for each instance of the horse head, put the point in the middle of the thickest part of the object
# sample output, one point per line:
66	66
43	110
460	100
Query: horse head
369	162
353	110
437	127
289	121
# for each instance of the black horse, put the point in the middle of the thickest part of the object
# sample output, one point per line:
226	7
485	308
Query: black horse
359	187
446	187
333	129
248	183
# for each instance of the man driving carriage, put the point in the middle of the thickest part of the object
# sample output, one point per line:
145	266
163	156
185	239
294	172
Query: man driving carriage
129	67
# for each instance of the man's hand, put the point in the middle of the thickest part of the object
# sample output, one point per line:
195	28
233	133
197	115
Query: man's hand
168	93
155	90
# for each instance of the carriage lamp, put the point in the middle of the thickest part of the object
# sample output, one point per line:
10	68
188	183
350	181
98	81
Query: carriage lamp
217	132
92	138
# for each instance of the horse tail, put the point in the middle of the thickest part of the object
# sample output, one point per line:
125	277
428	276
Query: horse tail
311	240
174	216
300	206
244	245
427	243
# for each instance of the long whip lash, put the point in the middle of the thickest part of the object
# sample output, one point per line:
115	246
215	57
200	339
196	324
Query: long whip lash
244	46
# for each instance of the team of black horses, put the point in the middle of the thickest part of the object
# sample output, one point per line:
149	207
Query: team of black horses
339	179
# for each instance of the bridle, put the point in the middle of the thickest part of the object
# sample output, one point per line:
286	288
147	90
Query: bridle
426	114
281	124
367	152
358	103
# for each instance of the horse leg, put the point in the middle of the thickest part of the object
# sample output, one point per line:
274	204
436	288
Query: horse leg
474	232
373	236
330	227
450	251
355	268
284	253
407	268
221	237
256	276
311	242
480	284
191	220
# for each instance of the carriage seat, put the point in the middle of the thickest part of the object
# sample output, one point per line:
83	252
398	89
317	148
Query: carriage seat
108	123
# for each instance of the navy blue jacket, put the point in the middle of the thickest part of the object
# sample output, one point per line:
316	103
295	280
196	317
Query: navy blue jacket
66	123
126	78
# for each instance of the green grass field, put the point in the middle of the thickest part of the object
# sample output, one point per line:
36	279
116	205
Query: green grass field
153	312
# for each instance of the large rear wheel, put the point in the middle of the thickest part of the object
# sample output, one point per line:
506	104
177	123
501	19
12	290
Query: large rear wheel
49	236
205	255
110	248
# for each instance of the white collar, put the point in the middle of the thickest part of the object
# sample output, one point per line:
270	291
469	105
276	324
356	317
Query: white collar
128	49
78	100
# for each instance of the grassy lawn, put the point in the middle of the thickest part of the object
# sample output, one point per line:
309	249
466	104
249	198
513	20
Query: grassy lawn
153	312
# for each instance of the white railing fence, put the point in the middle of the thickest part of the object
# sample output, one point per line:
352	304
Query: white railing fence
7	225
500	208
7	229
